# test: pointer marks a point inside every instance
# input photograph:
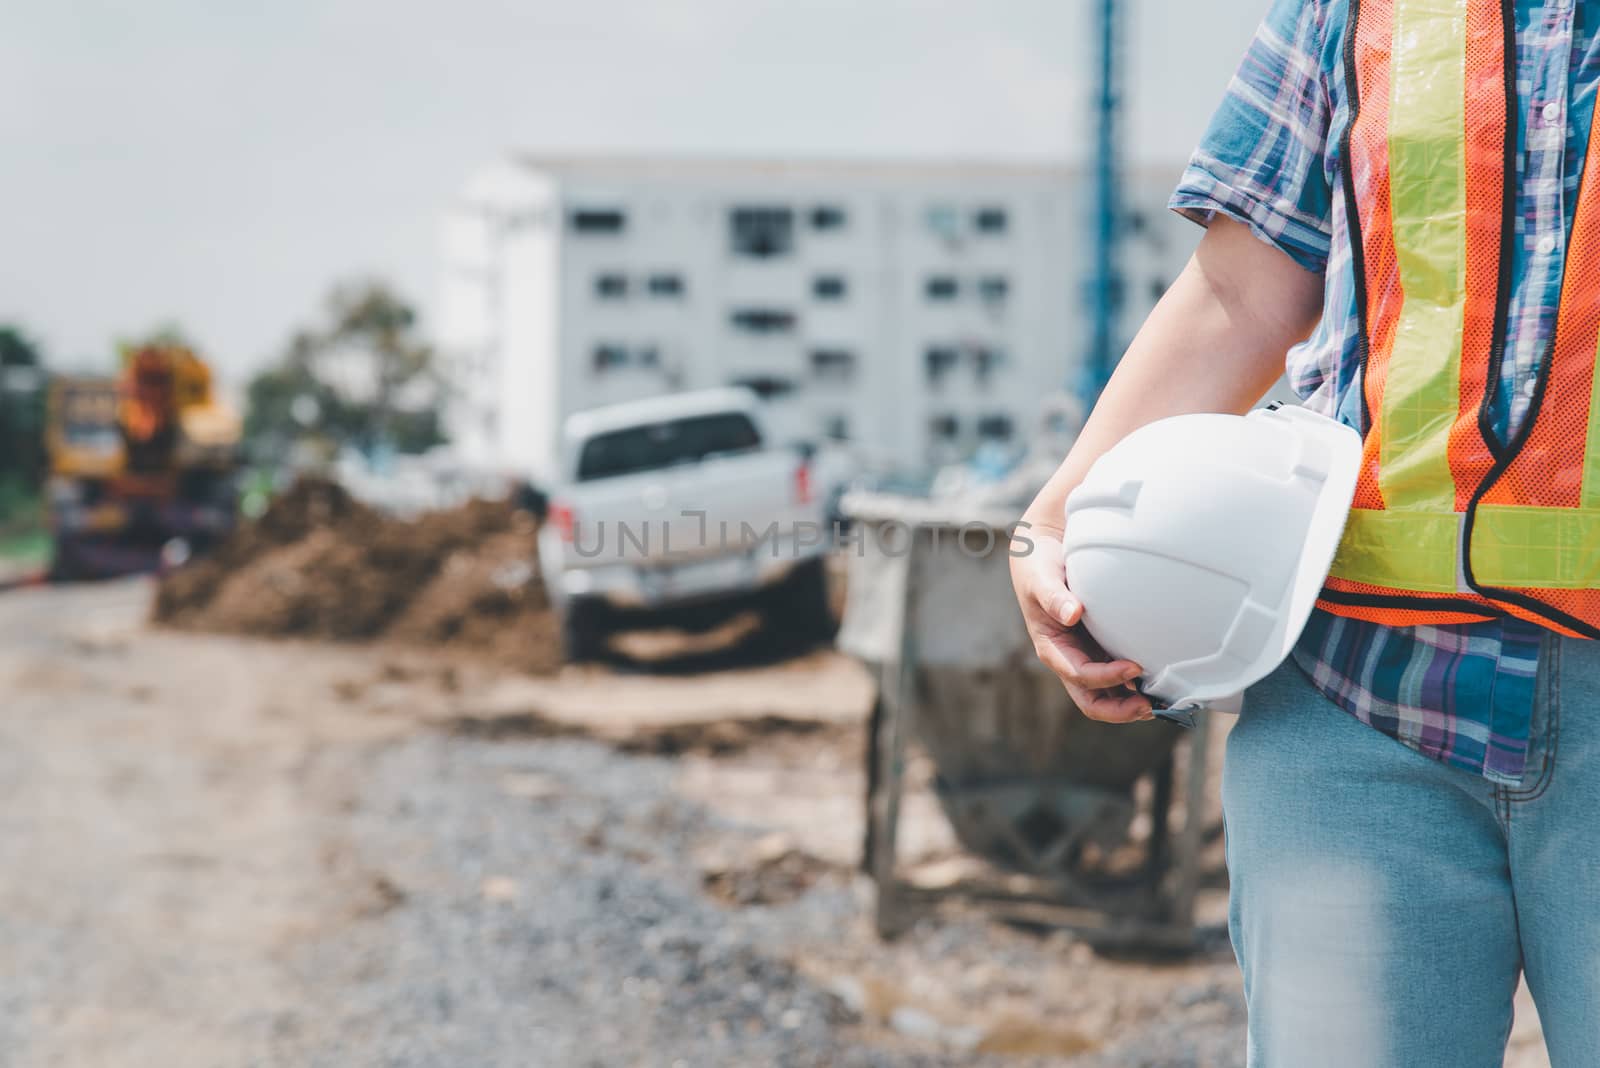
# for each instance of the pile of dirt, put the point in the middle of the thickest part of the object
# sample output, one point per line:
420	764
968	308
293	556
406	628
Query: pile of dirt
488	597
184	595
320	564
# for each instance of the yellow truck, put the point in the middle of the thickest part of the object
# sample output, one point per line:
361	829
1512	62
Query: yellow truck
142	465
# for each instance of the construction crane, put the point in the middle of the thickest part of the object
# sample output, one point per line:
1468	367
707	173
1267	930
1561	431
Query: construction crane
141	465
1105	279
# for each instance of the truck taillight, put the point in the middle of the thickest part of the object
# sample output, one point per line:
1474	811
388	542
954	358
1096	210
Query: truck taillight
563	518
802	484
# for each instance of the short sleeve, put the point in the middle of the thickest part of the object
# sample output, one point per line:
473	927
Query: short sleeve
1264	158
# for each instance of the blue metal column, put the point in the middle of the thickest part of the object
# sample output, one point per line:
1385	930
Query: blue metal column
1105	283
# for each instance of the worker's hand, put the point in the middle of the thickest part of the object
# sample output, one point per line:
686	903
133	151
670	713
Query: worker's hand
1099	686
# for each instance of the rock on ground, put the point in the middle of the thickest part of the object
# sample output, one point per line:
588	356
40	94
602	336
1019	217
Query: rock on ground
217	851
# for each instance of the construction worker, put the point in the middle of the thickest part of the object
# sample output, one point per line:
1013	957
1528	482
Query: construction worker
1403	196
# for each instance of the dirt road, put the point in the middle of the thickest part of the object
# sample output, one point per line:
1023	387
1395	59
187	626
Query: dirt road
166	840
223	852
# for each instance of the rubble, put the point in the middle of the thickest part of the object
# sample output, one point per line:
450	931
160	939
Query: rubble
320	564
773	872
310	862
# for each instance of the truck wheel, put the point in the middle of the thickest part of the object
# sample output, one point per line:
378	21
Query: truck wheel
800	606
583	632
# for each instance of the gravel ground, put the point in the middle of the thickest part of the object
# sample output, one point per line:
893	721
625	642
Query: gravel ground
221	852
570	927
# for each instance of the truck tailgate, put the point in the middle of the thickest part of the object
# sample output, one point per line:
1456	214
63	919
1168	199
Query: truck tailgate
720	506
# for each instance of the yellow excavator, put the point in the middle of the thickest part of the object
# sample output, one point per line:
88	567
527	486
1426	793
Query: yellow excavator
142	465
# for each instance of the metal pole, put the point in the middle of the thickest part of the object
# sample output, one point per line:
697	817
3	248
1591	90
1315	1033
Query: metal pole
898	694
1186	877
1105	284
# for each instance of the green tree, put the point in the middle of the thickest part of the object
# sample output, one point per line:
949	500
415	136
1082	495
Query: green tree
16	350
22	392
362	376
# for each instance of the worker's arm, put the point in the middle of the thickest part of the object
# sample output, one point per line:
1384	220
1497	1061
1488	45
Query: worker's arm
1215	343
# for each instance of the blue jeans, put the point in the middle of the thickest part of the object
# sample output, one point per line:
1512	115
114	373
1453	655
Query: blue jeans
1383	905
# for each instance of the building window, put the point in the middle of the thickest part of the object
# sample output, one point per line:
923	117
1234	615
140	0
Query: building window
939	361
765	386
994	288
665	285
836	428
828	217
995	428
614	355
945	222
941	287
611	286
608	356
990	220
986	361
598	221
761	233
762	320
829	287
944	428
833	365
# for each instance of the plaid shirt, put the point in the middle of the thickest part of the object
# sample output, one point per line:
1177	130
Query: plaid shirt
1461	694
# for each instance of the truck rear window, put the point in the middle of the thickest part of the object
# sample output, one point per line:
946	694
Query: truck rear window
87	415
666	444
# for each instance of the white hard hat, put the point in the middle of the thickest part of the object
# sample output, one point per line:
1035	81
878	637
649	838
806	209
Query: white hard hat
1198	544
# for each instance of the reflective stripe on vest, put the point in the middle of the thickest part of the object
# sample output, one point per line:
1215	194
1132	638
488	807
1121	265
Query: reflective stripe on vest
1428	173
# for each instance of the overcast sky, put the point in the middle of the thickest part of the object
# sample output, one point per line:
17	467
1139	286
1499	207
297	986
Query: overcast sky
220	164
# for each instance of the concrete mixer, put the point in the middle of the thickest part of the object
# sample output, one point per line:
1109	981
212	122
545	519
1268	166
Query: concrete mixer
1027	782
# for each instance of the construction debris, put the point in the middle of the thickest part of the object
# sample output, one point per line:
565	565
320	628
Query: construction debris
346	876
771	871
320	564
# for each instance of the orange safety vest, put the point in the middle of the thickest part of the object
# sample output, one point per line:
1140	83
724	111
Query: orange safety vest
1450	523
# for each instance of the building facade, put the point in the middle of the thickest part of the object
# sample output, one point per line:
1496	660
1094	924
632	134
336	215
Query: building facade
911	310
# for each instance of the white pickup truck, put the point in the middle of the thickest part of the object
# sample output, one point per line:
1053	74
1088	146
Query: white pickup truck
677	505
